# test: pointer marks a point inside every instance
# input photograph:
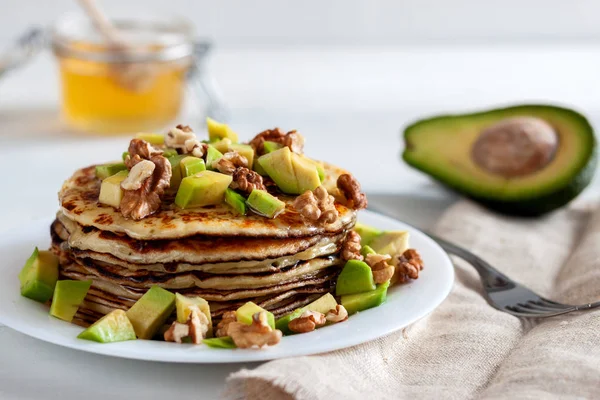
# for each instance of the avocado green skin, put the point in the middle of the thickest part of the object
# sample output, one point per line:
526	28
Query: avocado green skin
532	206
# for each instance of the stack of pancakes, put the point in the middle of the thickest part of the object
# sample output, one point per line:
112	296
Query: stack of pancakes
227	259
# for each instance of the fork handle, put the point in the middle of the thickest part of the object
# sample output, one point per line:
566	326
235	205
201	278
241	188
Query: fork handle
490	276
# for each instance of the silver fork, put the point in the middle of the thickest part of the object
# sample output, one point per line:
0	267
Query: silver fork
507	295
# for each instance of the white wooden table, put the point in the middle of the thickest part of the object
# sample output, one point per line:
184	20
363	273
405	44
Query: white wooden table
350	105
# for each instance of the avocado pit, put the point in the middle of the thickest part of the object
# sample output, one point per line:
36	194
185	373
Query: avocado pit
515	147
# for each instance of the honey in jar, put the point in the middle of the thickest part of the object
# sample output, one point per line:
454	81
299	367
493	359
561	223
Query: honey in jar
112	90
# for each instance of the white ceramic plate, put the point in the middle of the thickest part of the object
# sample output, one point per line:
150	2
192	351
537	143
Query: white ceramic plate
405	304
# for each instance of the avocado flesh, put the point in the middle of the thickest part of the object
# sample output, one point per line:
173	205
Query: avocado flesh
270	147
354	303
278	165
323	305
367	233
222	145
441	147
356	277
224	342
306	172
110	189
236	201
151	311
212	155
265	204
152	138
366	250
39	275
68	296
218	130
203	189
391	243
191	165
106	170
113	327
244	314
176	175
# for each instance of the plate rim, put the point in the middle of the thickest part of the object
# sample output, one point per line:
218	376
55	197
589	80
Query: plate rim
245	355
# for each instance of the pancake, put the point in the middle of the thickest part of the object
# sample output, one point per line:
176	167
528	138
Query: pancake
232	254
212	252
78	199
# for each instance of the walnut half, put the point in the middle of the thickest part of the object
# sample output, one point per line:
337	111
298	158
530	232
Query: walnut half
258	334
350	188
382	271
307	322
409	264
247	180
142	194
317	206
292	139
351	247
196	328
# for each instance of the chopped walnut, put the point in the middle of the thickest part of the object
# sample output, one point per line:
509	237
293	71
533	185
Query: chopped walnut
292	139
307	322
408	266
223	325
140	150
177	136
258	334
382	271
337	314
195	148
198	324
350	188
351	247
138	174
247	180
145	200
177	332
229	162
195	328
317	206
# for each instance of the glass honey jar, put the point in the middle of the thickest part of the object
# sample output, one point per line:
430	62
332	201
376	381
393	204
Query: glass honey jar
122	89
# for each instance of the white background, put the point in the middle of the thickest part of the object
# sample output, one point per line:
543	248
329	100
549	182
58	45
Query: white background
348	74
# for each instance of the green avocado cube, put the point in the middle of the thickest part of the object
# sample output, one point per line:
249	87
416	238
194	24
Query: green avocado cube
106	170
244	314
151	311
124	155
110	189
203	189
212	155
265	204
169	153
259	169
307	175
176	175
270	147
366	250
356	277
323	305
183	306
244	150
68	296
391	243
278	165
218	130
153	138
113	327
363	301
367	233
39	275
191	166
224	342
222	145
236	201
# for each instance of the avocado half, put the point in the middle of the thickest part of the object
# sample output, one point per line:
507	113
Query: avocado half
442	147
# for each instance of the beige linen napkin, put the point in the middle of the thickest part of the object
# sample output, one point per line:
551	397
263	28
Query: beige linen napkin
466	349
